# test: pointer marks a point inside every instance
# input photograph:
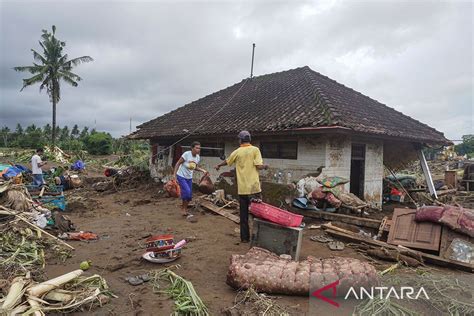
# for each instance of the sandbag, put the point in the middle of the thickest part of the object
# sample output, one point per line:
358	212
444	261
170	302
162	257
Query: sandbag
459	219
351	199
429	214
318	194
333	200
205	185
173	189
306	185
266	272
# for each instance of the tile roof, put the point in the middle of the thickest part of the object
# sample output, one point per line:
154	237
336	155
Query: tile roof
283	101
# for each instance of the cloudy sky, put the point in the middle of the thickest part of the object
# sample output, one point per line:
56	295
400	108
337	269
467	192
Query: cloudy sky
151	57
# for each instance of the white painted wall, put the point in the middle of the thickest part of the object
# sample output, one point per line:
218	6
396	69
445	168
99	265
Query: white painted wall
374	173
331	151
338	158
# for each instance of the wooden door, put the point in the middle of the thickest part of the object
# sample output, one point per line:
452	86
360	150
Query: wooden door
407	232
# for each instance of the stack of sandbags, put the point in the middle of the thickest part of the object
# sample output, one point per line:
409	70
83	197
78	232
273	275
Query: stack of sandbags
266	272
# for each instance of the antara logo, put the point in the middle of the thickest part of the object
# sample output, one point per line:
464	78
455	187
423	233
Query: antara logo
382	292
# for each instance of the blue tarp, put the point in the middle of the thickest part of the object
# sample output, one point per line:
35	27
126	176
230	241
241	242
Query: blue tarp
78	165
11	172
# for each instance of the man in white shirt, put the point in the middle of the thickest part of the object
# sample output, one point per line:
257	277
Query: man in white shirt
36	164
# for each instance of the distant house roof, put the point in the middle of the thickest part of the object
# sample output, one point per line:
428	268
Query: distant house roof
295	99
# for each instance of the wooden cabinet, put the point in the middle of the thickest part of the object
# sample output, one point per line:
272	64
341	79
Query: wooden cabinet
405	231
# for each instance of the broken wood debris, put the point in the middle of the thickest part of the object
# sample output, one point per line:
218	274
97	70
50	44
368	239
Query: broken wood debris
219	210
429	258
348	219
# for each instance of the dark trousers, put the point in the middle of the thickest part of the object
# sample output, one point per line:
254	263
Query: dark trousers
244	201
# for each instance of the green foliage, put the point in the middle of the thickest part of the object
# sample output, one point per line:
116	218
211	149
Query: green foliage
466	147
50	68
99	143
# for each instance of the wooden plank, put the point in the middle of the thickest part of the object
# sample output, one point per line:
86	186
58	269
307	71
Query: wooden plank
359	221
446	192
426	257
219	210
407	232
451	178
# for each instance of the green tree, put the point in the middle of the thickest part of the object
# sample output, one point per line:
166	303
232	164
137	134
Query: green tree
47	131
30	128
99	143
19	129
31	138
64	136
57	130
5	132
84	133
75	131
466	147
50	68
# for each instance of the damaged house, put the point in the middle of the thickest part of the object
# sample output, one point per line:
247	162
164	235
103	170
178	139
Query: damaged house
301	120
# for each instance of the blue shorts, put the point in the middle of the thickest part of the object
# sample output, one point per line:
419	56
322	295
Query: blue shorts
38	179
186	186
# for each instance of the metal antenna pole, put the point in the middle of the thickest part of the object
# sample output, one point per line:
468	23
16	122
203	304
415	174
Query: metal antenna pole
253	54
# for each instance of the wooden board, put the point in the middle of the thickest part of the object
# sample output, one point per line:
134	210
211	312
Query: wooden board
426	257
359	221
407	232
219	210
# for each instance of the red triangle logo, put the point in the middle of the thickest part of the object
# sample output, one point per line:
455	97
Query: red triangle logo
332	286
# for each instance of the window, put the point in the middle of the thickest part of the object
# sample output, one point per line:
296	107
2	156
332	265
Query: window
209	149
279	150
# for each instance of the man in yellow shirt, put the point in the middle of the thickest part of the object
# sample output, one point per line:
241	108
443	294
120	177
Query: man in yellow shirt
248	161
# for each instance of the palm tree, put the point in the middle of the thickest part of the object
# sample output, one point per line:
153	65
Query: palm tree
50	68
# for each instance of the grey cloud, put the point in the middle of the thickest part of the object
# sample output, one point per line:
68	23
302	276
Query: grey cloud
153	57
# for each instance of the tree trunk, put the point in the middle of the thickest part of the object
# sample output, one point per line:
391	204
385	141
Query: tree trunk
53	138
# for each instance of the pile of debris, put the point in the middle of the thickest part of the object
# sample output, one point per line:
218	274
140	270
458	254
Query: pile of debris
411	237
31	218
125	178
327	194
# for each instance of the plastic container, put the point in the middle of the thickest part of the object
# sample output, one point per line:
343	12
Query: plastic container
36	189
275	215
159	243
57	201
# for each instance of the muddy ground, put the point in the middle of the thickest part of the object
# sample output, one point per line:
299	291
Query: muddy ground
125	218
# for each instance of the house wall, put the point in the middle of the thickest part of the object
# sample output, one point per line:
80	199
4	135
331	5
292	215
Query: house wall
338	158
332	152
374	172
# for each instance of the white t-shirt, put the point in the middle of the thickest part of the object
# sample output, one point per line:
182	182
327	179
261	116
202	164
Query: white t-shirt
189	164
35	160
